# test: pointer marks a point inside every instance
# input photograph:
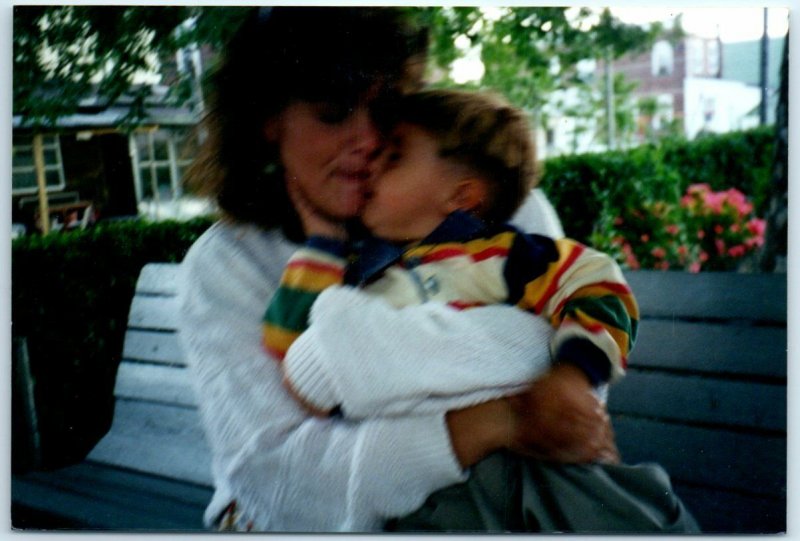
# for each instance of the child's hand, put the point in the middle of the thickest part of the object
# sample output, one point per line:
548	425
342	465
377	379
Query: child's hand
314	223
310	408
558	418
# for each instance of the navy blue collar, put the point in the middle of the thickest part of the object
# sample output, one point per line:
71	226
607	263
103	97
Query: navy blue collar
374	255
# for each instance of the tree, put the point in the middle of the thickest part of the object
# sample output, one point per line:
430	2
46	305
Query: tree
530	52
63	54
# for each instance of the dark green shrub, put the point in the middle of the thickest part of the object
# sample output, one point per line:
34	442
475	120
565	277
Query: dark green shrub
590	189
71	293
741	160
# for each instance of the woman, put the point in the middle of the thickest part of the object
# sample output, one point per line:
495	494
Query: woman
292	114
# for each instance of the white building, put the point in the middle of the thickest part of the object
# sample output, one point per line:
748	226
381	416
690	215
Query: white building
703	85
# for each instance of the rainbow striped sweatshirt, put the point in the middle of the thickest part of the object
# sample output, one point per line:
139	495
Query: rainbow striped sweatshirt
466	264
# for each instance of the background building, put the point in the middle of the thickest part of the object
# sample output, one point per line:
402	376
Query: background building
694	85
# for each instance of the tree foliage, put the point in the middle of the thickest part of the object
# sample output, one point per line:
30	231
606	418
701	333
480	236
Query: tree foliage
528	52
65	53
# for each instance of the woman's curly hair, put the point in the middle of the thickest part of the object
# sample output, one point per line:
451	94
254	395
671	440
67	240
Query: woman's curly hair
280	55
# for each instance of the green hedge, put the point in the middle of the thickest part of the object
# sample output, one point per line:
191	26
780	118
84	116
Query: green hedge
70	298
585	187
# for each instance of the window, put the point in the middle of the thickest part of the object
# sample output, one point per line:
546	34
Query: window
160	158
695	57
23	170
662	59
712	57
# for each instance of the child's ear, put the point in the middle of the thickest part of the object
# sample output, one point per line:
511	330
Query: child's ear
470	195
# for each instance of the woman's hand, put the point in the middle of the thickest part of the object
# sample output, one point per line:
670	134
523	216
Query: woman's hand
558	418
314	222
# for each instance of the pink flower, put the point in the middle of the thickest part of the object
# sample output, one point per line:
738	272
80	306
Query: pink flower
757	226
698	188
703	257
738	201
737	251
694	267
630	259
618	220
714	201
735	228
658	252
752	242
672	229
683	250
701	234
645	237
720	245
718	229
661	265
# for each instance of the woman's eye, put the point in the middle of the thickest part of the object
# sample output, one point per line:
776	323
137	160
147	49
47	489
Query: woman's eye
393	157
333	113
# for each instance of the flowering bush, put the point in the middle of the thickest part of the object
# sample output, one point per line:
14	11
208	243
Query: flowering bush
705	230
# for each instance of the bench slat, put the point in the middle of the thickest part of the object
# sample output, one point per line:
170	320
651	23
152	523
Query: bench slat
155	347
159	279
701	400
112	499
749	463
157	439
722	512
727	295
711	348
153	313
157	383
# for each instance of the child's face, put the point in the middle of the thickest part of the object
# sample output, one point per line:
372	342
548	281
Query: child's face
415	191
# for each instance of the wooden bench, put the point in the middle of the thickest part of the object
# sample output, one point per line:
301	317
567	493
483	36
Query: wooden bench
705	397
152	470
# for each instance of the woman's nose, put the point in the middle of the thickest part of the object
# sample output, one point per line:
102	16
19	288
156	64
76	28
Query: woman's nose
366	136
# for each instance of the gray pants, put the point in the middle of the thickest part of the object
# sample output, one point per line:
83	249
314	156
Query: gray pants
507	493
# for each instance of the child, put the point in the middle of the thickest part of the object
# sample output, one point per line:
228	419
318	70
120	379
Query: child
458	165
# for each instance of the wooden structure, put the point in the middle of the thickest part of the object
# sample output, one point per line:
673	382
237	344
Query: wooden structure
705	397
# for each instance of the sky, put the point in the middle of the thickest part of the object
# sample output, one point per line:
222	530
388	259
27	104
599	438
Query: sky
730	23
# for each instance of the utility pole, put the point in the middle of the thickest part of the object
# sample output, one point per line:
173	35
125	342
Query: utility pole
610	123
764	75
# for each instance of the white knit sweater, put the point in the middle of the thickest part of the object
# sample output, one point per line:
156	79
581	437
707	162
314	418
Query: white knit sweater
372	359
286	470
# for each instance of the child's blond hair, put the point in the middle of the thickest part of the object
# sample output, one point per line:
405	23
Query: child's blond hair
485	133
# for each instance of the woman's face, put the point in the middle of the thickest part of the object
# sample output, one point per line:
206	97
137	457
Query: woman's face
328	151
